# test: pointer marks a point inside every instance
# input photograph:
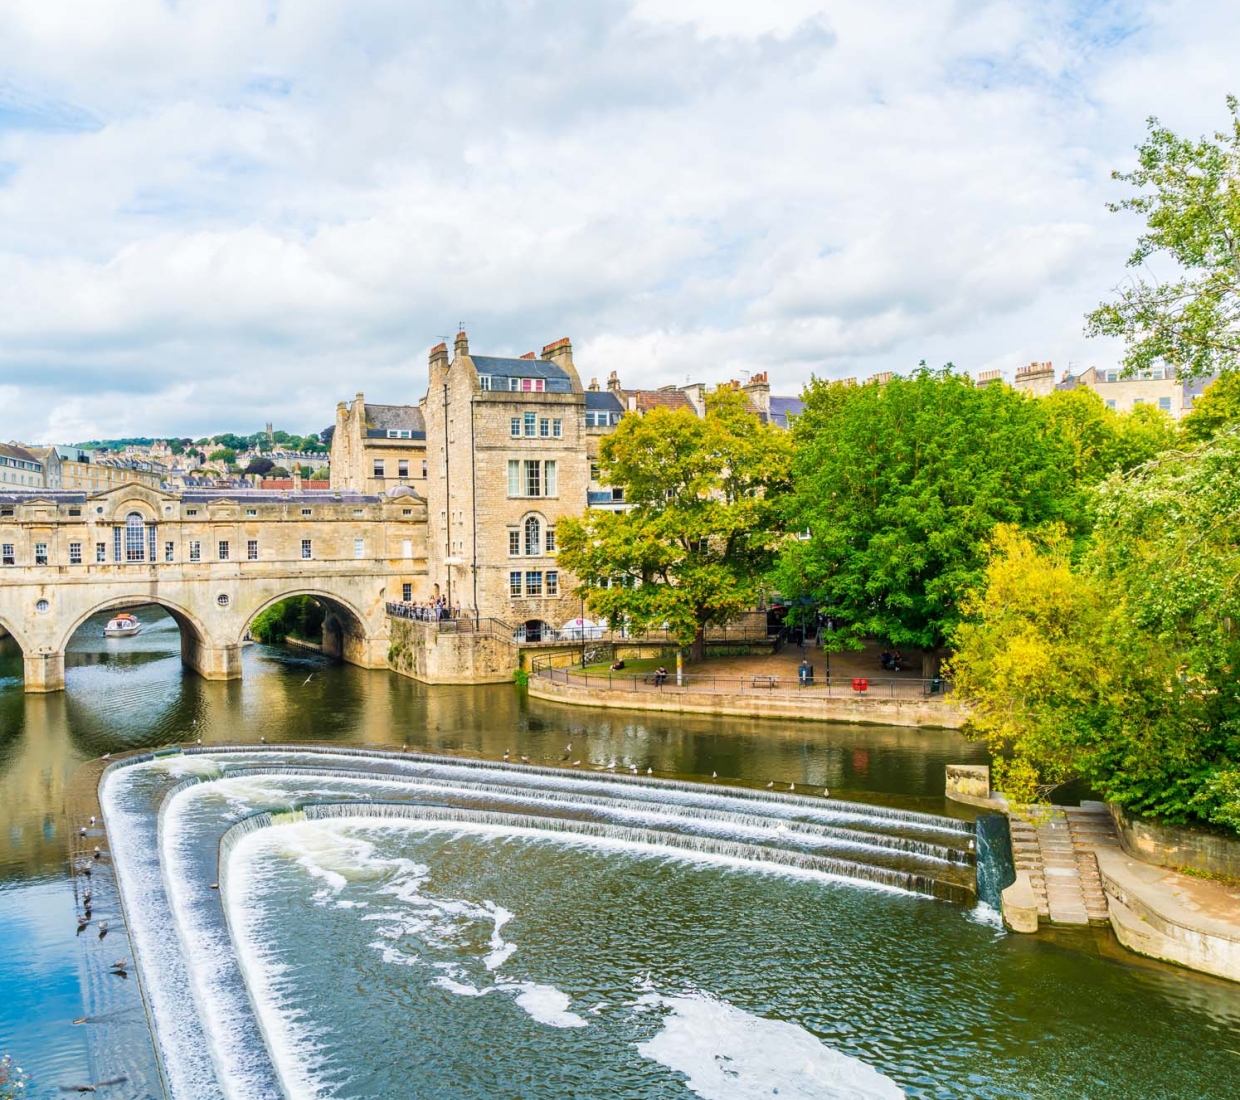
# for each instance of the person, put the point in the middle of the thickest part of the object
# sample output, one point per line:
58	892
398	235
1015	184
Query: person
806	671
617	664
897	662
884	658
660	675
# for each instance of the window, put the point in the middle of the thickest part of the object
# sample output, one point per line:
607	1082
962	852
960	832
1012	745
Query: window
251	549
1138	401
514	542
533	537
533	478
484	381
116	545
514	583
75	511
169	551
359	548
1110	402
533	385
534	582
514	477
1112	376
549	485
378	467
251	511
550	540
424	467
307	511
594	471
596	420
191	511
531	424
223	550
406	592
402	467
406	548
305	549
6	512
1164	403
135	538
514	426
75	553
557	428
7	556
222	599
195	550
544	428
399	433
101	551
617	495
553	582
40	553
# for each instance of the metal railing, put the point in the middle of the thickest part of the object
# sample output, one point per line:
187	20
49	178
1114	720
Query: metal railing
835	687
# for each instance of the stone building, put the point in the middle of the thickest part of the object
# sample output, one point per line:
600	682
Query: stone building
88	470
508	454
378	447
1156	386
21	467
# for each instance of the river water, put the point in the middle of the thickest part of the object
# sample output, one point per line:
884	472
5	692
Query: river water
745	983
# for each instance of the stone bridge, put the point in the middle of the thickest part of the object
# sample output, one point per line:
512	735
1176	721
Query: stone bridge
213	560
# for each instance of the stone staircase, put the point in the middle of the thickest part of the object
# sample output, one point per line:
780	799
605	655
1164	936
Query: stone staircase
1056	845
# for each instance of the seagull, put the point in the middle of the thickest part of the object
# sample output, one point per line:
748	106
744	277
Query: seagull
714	775
82	831
792	786
81	1020
92	819
98	853
103	928
525	760
307	679
633	768
770	785
106	756
95	1087
505	754
576	763
199	741
83	922
650	771
568	747
826	793
405	747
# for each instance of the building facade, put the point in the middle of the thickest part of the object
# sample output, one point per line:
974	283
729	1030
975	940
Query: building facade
21	467
378	447
1157	387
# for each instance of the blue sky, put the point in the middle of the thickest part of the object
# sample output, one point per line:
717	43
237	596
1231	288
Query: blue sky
216	213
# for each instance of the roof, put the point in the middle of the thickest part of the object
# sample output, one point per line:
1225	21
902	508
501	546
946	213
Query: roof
56	496
556	376
306	496
670	398
603	401
399	418
784	407
12	450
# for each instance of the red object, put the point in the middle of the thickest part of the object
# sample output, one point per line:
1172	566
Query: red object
860	683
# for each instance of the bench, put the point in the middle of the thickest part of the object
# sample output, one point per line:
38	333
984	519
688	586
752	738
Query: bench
765	681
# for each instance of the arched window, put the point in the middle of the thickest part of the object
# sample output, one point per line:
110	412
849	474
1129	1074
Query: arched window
135	537
533	537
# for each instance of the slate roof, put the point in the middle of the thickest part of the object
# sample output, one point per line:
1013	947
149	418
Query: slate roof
306	496
603	401
56	496
380	419
667	399
784	407
557	380
12	450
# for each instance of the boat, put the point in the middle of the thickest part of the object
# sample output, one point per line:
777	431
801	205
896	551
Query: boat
123	625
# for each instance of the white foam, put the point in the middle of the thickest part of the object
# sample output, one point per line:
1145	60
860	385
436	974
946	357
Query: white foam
982	913
726	1053
545	1003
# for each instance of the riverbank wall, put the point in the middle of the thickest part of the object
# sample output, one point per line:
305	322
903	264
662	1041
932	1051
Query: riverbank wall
816	707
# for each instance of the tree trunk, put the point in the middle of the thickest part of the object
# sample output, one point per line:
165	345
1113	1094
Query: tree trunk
697	652
930	662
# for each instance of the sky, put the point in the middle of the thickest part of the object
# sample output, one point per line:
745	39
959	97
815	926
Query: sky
218	213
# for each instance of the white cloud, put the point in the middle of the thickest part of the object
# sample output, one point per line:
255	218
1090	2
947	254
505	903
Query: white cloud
223	212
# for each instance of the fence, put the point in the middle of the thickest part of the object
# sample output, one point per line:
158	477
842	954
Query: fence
865	687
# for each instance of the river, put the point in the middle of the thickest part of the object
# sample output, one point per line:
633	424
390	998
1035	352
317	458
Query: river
1066	1015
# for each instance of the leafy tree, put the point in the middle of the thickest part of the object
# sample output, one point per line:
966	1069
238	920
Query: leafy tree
900	485
225	454
323	473
278	471
1125	670
1214	410
300	616
231	442
703	522
326	435
1190	199
259	466
176	446
1103	440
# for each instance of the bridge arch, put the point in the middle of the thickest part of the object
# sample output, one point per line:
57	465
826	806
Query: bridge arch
18	637
347	632
190	626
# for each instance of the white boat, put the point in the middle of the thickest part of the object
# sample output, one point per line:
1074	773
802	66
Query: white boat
122	626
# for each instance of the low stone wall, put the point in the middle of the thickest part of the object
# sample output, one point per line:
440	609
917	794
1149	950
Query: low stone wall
1177	846
811	708
421	651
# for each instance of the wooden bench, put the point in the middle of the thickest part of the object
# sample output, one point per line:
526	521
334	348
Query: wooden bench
765	681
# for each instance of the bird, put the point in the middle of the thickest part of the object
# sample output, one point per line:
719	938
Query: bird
792	786
81	1020
262	740
98	853
103	928
633	768
86	897
405	747
82	831
825	793
505	754
199	741
92	819
576	763
525	760
106	756
714	775
650	771
82	923
94	1087
85	869
307	679
568	747
770	785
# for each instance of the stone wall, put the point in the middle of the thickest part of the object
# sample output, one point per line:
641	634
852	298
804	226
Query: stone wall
1177	846
423	652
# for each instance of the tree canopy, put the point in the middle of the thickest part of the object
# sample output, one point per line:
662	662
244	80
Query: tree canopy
703	525
1190	199
1126	668
898	487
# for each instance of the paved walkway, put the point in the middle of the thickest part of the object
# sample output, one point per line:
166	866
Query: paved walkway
1056	845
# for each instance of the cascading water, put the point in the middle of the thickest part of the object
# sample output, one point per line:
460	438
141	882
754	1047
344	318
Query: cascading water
184	823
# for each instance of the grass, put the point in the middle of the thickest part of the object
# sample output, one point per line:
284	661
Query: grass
637	666
1209	876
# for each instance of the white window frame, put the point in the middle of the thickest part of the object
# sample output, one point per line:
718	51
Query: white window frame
195	550
557	428
251	549
75	553
514	584
222	550
307	550
359	548
552	579
533	583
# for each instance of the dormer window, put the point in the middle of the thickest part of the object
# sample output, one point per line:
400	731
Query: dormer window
484	381
527	385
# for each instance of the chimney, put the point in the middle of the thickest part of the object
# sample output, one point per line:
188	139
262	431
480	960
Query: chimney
613	383
529	355
593	386
987	377
439	356
560	352
882	378
296	478
758	389
461	346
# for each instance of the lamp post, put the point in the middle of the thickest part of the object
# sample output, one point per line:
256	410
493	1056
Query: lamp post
583	633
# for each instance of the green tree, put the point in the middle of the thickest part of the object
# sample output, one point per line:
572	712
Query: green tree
1126	669
323	473
231	442
899	486
260	466
1217	408
225	455
278	471
702	524
1190	199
